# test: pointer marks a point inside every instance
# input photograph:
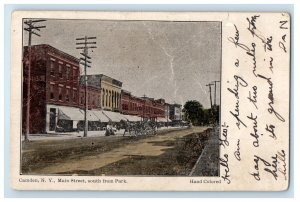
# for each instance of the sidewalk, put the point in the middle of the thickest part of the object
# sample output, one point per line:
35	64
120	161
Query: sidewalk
208	162
74	135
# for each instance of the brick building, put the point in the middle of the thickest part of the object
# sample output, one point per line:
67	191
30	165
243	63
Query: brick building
130	104
94	97
56	98
153	109
144	107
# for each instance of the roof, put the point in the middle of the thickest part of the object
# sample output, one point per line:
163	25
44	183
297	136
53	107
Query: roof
49	47
95	79
108	78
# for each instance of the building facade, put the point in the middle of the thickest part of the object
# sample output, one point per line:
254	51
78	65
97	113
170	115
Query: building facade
131	105
175	112
153	109
110	91
144	107
57	96
94	97
53	83
167	111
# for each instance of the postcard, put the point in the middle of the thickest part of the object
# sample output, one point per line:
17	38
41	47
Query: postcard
150	101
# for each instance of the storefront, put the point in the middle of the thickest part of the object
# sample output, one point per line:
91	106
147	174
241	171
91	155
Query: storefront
62	118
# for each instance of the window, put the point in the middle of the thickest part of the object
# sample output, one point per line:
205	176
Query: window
74	74
51	91
82	99
103	95
93	100
117	101
68	73
125	106
110	96
106	100
71	73
67	95
113	99
74	95
60	93
52	64
60	71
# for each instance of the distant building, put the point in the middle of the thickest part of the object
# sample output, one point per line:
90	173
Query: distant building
131	105
175	112
144	107
157	110
167	112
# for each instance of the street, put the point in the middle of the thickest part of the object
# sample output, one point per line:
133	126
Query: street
167	153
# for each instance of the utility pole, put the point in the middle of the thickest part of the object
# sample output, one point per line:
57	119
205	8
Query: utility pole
167	116
144	96
209	85
31	29
84	44
211	107
215	83
215	104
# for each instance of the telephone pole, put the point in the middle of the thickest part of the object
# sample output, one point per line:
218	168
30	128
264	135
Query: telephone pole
31	29
209	85
144	97
215	83
215	104
85	45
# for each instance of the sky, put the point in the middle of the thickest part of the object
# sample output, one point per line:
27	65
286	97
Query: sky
160	59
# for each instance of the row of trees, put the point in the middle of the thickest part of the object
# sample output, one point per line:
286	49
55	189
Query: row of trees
198	116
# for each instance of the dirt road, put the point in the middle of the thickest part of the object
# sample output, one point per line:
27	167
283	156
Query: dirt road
172	153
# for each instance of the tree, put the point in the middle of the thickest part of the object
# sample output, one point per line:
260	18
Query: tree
207	118
194	112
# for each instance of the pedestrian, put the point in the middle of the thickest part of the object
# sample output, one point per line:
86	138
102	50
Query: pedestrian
112	129
108	129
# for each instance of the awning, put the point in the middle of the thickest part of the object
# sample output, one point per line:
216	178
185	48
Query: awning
113	116
162	119
100	115
91	116
131	118
68	113
125	117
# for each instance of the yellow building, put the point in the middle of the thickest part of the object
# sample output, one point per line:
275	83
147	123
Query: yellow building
110	90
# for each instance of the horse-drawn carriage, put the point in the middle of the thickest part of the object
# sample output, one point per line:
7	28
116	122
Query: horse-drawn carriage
140	128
